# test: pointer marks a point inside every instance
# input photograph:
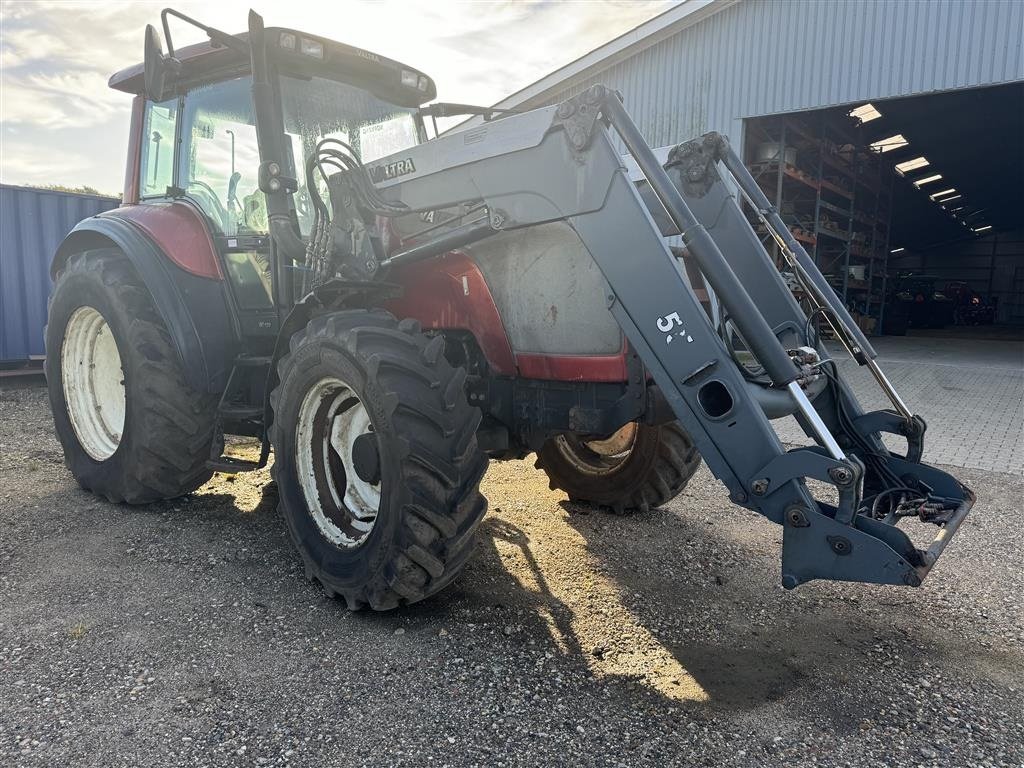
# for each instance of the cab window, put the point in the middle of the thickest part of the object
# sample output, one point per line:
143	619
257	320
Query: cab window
156	169
220	157
317	108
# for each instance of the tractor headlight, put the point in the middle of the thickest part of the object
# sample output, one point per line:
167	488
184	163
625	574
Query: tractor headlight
287	40
409	79
313	48
423	83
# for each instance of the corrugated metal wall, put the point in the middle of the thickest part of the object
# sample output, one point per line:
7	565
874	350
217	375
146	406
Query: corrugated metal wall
762	57
33	222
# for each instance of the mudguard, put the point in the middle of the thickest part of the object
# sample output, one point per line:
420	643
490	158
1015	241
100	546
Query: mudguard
184	300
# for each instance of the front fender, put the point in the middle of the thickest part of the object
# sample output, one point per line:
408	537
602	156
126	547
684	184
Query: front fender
194	309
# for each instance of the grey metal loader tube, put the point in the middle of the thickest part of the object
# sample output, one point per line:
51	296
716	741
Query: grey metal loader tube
757	196
730	291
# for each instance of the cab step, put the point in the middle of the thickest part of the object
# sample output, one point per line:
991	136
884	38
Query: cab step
239	413
231	465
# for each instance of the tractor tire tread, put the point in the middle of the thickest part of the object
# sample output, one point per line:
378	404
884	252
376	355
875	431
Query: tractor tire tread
173	424
440	466
643	487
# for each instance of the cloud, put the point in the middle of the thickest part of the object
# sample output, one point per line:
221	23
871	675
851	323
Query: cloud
24	163
56	57
59	100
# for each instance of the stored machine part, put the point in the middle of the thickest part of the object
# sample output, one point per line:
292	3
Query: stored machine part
386	312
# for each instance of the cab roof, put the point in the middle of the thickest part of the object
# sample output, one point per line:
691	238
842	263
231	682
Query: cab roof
210	62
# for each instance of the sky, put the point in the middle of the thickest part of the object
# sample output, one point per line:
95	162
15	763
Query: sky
61	124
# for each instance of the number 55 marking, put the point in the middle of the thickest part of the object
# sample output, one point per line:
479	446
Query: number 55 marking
667	325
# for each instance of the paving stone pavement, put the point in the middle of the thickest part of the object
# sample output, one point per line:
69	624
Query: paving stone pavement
969	391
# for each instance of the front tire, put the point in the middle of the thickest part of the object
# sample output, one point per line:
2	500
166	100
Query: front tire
131	428
633	470
376	458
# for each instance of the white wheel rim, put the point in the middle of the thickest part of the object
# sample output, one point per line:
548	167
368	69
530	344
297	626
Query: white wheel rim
343	505
93	383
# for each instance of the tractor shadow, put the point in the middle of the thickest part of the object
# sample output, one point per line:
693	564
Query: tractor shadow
684	604
705	585
663	609
560	586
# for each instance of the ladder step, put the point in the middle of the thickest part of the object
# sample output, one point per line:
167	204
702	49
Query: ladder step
232	465
240	413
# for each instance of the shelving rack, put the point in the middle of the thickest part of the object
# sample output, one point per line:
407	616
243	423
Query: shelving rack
835	193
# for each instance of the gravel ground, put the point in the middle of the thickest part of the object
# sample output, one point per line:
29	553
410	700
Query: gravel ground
183	633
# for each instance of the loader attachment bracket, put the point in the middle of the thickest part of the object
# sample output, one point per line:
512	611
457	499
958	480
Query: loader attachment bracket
695	161
847	476
826	548
578	116
894	424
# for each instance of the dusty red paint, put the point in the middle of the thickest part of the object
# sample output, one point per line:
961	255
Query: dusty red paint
437	296
180	232
131	173
207	54
450	292
572	367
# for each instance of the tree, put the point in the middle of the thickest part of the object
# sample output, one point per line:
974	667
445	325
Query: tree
81	190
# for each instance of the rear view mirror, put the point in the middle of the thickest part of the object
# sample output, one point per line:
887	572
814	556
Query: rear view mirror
159	71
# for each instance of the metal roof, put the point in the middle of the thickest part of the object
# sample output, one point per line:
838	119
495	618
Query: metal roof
705	65
664	25
708	65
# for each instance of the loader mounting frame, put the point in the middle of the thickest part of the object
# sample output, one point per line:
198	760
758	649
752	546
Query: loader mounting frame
559	164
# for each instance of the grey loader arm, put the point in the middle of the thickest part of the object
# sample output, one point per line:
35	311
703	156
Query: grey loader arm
559	164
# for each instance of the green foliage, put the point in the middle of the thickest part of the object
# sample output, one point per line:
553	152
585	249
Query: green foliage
82	190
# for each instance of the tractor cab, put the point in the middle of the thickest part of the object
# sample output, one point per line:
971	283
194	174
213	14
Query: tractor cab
204	136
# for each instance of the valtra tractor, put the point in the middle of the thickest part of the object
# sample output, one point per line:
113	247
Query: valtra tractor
295	261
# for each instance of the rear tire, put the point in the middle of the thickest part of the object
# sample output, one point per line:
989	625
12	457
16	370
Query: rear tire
376	458
153	439
628	474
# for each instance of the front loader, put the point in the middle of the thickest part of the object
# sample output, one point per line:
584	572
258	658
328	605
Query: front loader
386	312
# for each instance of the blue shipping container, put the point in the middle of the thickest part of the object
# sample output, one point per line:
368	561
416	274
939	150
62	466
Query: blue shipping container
33	222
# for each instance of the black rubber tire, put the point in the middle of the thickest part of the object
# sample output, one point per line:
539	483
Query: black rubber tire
168	426
430	464
657	468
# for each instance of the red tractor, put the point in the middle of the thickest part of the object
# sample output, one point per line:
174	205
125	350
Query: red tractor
294	261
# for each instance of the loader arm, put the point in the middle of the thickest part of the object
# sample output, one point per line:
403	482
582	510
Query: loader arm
559	164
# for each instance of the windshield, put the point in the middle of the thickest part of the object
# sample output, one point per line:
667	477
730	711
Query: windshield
317	108
220	157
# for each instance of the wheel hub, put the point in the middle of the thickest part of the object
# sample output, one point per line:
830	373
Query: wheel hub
93	383
615	444
338	462
366	458
599	456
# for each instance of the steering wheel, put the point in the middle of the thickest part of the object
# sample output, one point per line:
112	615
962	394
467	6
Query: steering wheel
222	216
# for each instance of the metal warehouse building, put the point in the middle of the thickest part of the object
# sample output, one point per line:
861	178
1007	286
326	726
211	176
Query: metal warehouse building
889	133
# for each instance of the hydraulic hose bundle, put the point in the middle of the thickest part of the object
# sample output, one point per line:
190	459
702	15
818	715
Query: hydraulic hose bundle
335	155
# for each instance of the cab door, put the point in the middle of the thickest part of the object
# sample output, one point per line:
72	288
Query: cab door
217	171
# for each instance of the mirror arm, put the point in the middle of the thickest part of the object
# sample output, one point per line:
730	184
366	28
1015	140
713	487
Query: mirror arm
228	41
